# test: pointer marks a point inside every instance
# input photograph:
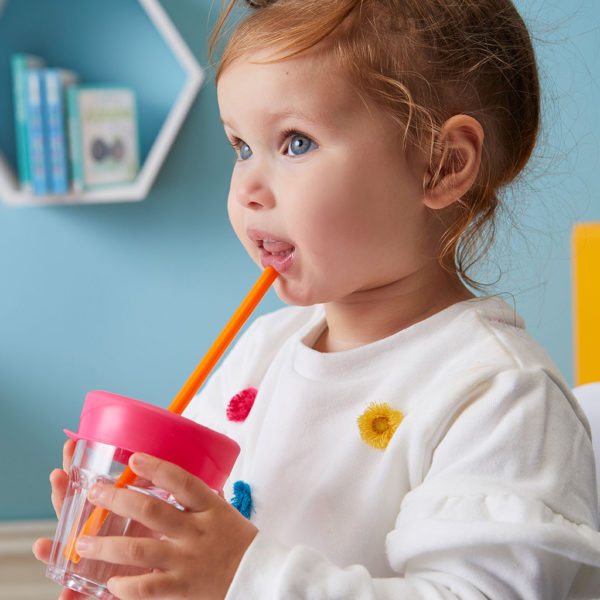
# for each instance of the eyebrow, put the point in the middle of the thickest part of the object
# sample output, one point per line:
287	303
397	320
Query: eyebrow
317	119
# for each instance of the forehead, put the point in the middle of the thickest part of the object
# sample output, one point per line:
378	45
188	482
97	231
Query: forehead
309	85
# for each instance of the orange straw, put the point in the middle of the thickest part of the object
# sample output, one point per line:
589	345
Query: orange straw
185	395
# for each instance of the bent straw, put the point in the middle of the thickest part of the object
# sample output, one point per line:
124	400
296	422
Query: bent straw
185	395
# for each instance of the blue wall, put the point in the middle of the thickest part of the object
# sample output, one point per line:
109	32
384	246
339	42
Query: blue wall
127	297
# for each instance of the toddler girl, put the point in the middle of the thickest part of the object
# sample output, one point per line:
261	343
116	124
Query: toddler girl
401	438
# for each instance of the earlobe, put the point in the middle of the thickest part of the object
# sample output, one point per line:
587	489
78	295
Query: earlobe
455	166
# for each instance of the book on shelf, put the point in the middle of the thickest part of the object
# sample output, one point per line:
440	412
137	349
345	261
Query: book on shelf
103	134
20	64
38	167
70	135
55	82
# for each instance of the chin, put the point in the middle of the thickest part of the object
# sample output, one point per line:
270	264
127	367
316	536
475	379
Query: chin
293	297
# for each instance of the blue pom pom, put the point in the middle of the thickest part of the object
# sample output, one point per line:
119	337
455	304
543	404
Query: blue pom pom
242	498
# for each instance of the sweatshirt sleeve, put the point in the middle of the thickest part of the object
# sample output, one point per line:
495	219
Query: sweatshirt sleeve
504	511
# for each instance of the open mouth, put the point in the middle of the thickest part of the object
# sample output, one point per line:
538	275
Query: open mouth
272	251
276	248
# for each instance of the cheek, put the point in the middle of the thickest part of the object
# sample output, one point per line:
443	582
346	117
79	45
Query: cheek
235	212
236	218
339	206
231	212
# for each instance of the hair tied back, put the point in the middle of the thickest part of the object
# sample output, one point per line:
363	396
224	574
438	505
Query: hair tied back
259	3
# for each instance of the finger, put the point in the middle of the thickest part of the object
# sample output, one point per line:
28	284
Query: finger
190	491
41	549
142	587
68	594
136	552
150	511
59	482
68	451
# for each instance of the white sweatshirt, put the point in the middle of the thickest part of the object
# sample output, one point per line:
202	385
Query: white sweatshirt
486	488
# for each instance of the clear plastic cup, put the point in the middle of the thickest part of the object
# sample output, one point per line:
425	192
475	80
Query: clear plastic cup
94	462
111	428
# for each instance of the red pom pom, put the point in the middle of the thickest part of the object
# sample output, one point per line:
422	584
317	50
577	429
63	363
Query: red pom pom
239	406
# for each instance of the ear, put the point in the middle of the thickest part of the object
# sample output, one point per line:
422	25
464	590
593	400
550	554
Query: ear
454	169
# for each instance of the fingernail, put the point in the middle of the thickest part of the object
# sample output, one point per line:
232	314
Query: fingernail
94	492
83	545
139	460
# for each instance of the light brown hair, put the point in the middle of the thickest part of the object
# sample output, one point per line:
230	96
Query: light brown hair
422	61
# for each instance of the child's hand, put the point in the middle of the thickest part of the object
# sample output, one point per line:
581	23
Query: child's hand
59	480
200	548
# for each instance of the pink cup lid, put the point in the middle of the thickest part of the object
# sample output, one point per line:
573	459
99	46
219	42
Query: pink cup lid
140	427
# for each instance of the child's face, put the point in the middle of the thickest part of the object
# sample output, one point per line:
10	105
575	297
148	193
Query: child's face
321	188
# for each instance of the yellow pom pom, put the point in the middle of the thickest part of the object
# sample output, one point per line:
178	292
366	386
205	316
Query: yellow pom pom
378	424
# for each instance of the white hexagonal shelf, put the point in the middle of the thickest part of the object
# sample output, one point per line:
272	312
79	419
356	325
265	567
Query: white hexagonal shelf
10	192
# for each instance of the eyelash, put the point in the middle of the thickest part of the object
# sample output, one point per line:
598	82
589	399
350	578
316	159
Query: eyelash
235	142
286	135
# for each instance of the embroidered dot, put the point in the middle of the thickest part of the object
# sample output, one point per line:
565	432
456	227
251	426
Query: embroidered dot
378	424
240	405
242	498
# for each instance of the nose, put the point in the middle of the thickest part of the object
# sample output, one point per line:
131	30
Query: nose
252	190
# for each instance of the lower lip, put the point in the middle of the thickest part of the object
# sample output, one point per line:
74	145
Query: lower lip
280	262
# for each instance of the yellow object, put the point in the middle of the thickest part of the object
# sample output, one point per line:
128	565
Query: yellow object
378	424
586	302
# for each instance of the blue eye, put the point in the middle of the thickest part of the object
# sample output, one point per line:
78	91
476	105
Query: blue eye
300	144
245	151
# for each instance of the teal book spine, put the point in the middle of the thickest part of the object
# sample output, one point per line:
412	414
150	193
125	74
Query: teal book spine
75	142
55	82
20	63
35	132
